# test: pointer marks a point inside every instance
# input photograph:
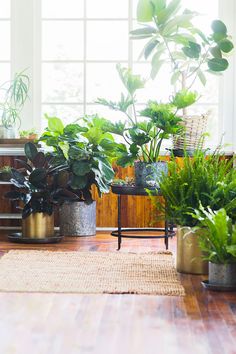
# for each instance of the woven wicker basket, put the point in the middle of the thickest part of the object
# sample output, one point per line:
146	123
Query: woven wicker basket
191	138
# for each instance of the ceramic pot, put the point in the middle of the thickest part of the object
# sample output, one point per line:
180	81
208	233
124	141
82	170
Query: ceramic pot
38	225
149	174
78	219
189	254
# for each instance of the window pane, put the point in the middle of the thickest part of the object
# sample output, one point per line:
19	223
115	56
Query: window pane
62	8
5	75
158	89
5	6
105	112
107	8
62	82
68	113
107	40
5	40
103	81
59	40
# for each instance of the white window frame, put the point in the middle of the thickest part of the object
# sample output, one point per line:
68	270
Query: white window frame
26	53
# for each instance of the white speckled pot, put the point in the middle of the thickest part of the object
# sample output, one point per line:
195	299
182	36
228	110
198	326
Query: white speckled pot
78	219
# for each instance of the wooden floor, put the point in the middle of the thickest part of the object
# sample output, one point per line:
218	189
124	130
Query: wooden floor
202	322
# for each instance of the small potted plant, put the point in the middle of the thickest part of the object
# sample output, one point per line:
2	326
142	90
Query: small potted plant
218	242
30	134
15	94
5	173
39	188
174	40
86	151
142	133
209	180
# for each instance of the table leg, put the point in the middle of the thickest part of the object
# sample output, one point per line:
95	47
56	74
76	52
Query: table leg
166	234
119	222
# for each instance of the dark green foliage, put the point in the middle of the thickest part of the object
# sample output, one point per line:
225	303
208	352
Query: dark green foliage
210	181
218	235
41	185
86	150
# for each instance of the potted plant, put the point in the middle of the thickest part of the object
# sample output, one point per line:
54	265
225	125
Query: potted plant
86	151
5	173
142	133
40	188
218	242
209	180
30	134
174	40
15	94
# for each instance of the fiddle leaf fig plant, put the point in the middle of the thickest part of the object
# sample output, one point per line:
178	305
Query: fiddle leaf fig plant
173	39
86	151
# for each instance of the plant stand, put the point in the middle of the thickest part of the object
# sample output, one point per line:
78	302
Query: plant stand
124	232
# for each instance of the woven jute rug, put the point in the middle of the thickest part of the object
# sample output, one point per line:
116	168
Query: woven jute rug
89	273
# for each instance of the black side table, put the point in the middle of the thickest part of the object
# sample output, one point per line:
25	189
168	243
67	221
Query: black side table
122	232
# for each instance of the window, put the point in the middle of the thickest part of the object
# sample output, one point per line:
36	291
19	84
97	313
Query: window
71	48
5	34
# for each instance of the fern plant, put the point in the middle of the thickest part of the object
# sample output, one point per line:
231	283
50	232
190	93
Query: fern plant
207	180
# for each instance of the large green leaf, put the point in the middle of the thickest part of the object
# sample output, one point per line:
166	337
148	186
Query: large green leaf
193	50
81	168
178	21
218	64
216	52
150	47
105	169
144	11
159	5
55	125
79	182
219	27
30	151
172	8
143	31
226	46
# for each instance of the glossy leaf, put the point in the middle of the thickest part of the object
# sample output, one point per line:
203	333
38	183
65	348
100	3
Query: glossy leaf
218	65
226	46
216	52
30	151
144	11
219	27
81	168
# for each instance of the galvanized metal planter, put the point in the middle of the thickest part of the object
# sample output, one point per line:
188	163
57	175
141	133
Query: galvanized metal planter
148	174
78	219
222	274
38	226
189	254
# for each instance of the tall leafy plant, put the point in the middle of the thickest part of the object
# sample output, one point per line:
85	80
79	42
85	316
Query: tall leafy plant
173	39
86	151
143	132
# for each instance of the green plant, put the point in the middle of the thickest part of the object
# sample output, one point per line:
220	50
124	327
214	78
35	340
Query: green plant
27	133
5	169
173	39
218	236
41	185
143	137
209	180
15	94
87	152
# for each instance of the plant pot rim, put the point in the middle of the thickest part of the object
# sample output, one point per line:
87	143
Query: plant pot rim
150	163
223	264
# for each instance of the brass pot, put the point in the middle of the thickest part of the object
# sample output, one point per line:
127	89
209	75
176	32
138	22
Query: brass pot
38	225
189	254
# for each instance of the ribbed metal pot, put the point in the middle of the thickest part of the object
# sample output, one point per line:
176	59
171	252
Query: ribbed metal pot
148	174
189	254
78	219
222	274
38	225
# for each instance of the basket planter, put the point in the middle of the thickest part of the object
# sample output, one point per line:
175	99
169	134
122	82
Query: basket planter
148	174
78	219
191	139
38	226
189	254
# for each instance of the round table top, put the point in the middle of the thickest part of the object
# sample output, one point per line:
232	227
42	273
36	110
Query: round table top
134	190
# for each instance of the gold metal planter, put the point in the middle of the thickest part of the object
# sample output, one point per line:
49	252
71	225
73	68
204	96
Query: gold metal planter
189	254
38	225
